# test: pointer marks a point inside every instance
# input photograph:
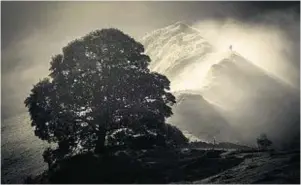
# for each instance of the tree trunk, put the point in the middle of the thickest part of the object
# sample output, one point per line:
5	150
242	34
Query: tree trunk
100	144
102	121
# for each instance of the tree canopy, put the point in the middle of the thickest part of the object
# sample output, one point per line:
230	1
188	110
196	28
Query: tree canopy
99	85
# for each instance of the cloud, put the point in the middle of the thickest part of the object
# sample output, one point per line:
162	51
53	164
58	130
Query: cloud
267	46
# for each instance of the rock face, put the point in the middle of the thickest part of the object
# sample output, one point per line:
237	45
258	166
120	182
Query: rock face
222	88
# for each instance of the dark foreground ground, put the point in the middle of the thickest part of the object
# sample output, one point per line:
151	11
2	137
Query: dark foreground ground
175	166
260	168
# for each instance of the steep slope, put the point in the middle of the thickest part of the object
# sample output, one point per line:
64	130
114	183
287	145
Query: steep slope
174	47
246	97
254	101
182	54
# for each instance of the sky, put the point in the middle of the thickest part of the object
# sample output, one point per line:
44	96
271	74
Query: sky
33	32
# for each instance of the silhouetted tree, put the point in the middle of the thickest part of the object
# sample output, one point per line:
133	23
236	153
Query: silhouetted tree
99	84
263	142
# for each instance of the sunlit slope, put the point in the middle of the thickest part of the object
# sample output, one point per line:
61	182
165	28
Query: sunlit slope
246	97
174	48
253	101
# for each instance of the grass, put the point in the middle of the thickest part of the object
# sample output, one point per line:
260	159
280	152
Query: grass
153	166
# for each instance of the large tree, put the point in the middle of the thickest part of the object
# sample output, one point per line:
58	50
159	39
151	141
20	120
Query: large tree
99	84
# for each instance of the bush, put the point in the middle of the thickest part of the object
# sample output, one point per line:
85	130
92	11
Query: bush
263	142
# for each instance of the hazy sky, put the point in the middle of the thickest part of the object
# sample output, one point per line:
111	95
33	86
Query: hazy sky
32	32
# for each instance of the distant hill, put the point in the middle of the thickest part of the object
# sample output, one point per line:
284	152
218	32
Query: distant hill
200	118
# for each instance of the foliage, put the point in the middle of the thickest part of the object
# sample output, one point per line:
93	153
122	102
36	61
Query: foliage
169	136
99	84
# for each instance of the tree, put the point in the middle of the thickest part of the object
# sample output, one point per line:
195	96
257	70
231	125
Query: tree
99	84
263	142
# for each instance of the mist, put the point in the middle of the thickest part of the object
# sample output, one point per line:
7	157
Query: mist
229	95
259	93
33	32
269	47
266	46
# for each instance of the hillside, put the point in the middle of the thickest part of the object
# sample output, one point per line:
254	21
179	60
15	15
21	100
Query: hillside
237	94
21	150
196	115
221	96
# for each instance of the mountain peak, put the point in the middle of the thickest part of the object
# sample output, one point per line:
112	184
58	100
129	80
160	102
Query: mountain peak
173	46
181	24
184	27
